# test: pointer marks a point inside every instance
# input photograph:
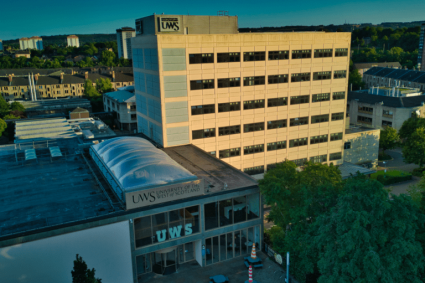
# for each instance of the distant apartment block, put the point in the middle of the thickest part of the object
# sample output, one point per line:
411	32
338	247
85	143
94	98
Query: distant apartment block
34	42
421	51
1	45
391	77
250	99
124	36
73	41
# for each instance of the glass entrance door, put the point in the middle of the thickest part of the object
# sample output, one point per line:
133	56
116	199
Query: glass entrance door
165	261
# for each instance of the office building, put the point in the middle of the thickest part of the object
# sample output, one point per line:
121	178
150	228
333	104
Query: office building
390	77
124	36
73	41
34	42
250	99
378	111
199	210
123	103
421	51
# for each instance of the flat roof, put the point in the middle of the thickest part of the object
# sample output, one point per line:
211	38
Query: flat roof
218	175
358	129
42	129
44	193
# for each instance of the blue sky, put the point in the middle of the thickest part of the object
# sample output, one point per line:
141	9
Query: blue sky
48	17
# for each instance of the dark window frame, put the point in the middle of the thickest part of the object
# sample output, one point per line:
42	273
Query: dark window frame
229	106
228	57
251	149
231	152
277	124
319	139
300	77
338	95
201	58
253	127
203	134
276	102
335	156
299	99
228	82
278	55
336	136
202	109
277	79
300	121
254	56
319	158
341	74
320	76
320	97
256	80
254	170
337	116
341	52
301	54
323	53
276	145
253	104
320	118
202	84
229	130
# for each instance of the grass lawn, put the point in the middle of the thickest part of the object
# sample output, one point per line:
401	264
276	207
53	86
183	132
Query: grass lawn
391	173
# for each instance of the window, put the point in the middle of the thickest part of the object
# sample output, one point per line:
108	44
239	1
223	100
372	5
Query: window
320	118
300	99
276	145
201	84
253	127
274	102
335	156
231	130
336	136
254	56
338	95
319	76
254	170
133	116
298	142
253	104
319	158
58	86
347	145
228	82
259	80
321	53
337	116
227	107
203	109
318	139
367	110
132	107
300	77
387	113
341	52
201	134
364	120
300	162
201	58
279	55
340	74
228	57
277	124
301	54
298	121
321	97
230	152
278	79
387	123
253	149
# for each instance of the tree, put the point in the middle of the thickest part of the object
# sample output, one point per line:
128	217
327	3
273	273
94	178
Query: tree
3	126
388	138
103	85
11	117
108	58
90	91
409	126
16	106
4	107
356	80
368	237
81	274
414	148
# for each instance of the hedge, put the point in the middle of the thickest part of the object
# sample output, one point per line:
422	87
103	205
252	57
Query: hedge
388	180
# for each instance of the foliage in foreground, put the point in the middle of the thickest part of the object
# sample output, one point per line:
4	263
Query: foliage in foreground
82	274
343	231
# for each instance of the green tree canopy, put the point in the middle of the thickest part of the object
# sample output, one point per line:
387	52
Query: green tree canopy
414	148
409	126
108	58
17	106
355	79
4	107
11	117
388	138
3	126
103	85
82	274
368	238
90	91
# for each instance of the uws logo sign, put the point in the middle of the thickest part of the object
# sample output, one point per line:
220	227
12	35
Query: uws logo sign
169	24
174	232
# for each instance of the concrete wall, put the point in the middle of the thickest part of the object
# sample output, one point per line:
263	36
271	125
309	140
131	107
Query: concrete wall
106	248
364	147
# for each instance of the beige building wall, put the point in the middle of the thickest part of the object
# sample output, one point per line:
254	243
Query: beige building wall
362	147
184	45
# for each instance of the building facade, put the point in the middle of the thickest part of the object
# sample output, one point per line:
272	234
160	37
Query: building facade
23	53
252	100
73	41
363	67
361	146
377	111
123	103
56	85
124	36
421	50
34	42
390	77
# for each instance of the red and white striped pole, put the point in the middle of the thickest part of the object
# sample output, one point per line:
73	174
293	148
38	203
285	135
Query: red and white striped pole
250	274
253	252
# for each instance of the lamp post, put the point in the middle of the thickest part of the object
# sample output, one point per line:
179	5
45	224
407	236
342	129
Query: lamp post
287	267
385	166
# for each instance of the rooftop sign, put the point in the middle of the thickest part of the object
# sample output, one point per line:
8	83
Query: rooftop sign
164	194
169	24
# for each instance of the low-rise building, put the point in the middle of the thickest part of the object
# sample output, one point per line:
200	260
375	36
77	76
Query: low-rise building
23	53
79	113
361	146
364	67
391	77
123	103
73	40
377	111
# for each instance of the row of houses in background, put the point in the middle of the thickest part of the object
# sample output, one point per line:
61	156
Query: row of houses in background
58	83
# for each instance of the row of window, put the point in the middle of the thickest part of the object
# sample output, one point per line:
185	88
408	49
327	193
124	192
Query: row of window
260	103
261	80
205	58
299	162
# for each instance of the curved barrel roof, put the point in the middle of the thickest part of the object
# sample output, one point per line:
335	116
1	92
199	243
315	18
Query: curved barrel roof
138	164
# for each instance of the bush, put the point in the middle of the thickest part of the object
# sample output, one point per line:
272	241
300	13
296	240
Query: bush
382	156
418	172
388	179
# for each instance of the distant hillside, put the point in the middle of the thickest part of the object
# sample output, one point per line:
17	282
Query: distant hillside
61	39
